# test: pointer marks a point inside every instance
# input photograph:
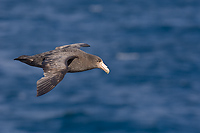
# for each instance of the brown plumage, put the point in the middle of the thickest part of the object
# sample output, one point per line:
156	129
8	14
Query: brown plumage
58	62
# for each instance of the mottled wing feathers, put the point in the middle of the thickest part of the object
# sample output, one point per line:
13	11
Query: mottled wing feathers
55	68
75	45
54	64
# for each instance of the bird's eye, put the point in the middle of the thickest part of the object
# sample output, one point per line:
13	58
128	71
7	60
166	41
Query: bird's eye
98	60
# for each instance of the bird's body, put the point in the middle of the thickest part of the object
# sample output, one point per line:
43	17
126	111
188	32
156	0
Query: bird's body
56	63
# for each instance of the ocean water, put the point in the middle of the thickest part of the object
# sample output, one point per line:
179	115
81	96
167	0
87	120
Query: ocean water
151	47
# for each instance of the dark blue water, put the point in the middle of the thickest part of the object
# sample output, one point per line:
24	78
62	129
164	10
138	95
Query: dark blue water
151	47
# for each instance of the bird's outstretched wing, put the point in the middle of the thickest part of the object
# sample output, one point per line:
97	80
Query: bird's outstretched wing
55	68
75	45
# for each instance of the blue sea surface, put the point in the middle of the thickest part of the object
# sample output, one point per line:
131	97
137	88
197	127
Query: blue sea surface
151	47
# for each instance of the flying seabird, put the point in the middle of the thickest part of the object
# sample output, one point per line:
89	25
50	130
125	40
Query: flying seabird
62	60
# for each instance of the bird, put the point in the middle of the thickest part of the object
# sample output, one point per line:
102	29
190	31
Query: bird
63	59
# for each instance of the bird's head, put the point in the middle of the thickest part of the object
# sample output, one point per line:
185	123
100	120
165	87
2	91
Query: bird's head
100	64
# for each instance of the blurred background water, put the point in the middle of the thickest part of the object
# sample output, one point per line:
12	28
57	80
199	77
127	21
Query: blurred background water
151	47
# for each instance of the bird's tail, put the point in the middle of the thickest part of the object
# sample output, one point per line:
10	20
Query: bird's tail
25	59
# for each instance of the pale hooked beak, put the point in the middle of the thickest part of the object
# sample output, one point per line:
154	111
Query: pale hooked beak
103	67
